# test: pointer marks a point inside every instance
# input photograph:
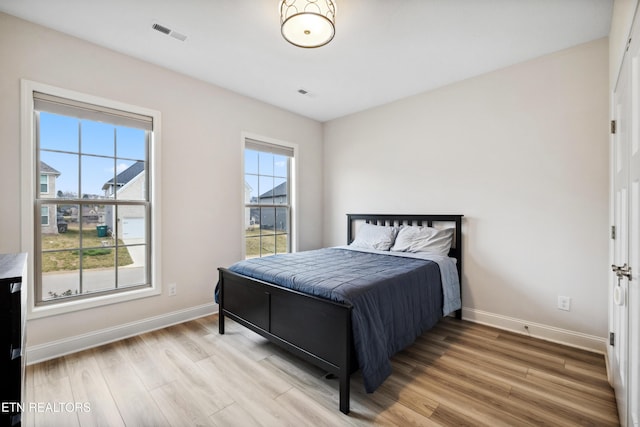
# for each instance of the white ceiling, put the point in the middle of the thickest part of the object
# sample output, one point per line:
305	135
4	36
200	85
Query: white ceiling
383	49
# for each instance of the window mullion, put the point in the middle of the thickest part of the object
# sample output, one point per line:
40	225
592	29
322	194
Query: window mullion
80	221
115	197
289	204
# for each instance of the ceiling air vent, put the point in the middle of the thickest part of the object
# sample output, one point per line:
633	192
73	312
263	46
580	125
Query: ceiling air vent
169	32
162	29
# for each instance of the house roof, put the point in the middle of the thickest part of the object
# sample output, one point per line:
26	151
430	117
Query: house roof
46	169
126	175
278	190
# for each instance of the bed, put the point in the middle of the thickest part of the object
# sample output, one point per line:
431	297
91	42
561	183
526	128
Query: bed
334	322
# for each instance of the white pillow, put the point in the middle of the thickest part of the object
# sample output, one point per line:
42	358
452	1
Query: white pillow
424	239
379	237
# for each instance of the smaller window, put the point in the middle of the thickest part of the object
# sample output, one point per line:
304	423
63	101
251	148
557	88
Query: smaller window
267	198
44	215
44	184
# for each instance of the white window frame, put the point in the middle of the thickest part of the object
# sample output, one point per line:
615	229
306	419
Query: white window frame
28	186
293	231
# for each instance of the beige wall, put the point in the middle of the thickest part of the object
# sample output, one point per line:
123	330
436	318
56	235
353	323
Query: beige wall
202	189
523	153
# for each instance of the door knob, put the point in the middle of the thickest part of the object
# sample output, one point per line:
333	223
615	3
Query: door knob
622	271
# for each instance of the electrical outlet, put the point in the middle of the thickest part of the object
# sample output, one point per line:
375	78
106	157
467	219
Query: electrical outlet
172	289
564	303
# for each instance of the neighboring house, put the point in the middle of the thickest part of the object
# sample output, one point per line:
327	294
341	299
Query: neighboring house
272	218
129	184
275	196
48	213
92	214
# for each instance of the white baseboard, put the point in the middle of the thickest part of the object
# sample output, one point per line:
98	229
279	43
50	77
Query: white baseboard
536	330
53	349
41	352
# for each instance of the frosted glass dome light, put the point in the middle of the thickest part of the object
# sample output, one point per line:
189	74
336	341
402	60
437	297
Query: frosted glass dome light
308	23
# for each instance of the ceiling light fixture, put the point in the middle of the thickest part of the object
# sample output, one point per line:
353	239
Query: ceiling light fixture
308	23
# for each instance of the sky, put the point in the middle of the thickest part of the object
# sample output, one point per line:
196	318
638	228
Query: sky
98	155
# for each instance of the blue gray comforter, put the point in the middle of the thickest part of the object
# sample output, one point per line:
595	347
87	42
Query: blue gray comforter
394	299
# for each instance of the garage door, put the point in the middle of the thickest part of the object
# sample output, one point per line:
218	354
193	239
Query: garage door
133	228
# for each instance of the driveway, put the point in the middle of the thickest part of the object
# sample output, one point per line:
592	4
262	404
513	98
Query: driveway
136	248
93	280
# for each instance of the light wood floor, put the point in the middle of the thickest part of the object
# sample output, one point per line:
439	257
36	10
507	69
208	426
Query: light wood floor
459	373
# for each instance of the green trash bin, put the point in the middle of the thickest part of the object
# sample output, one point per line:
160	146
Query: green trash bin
102	230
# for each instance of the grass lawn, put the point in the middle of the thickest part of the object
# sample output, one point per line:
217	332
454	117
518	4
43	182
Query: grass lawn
268	243
99	252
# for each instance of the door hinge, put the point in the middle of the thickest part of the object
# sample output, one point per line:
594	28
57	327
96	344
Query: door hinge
612	338
613	127
613	232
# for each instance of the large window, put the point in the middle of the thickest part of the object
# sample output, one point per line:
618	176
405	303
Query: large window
268	198
93	221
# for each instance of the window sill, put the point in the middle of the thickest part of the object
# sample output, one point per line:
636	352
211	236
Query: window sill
38	312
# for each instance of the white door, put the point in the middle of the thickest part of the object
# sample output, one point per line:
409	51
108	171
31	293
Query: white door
624	296
633	296
618	312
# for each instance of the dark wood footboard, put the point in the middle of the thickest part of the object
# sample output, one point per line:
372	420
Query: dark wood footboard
315	329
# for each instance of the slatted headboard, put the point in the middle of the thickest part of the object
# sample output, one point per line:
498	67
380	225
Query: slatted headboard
437	221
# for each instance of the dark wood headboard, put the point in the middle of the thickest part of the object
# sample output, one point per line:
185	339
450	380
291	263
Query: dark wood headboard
449	221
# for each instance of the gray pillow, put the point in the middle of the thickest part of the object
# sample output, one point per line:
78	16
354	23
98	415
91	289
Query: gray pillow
424	239
379	237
